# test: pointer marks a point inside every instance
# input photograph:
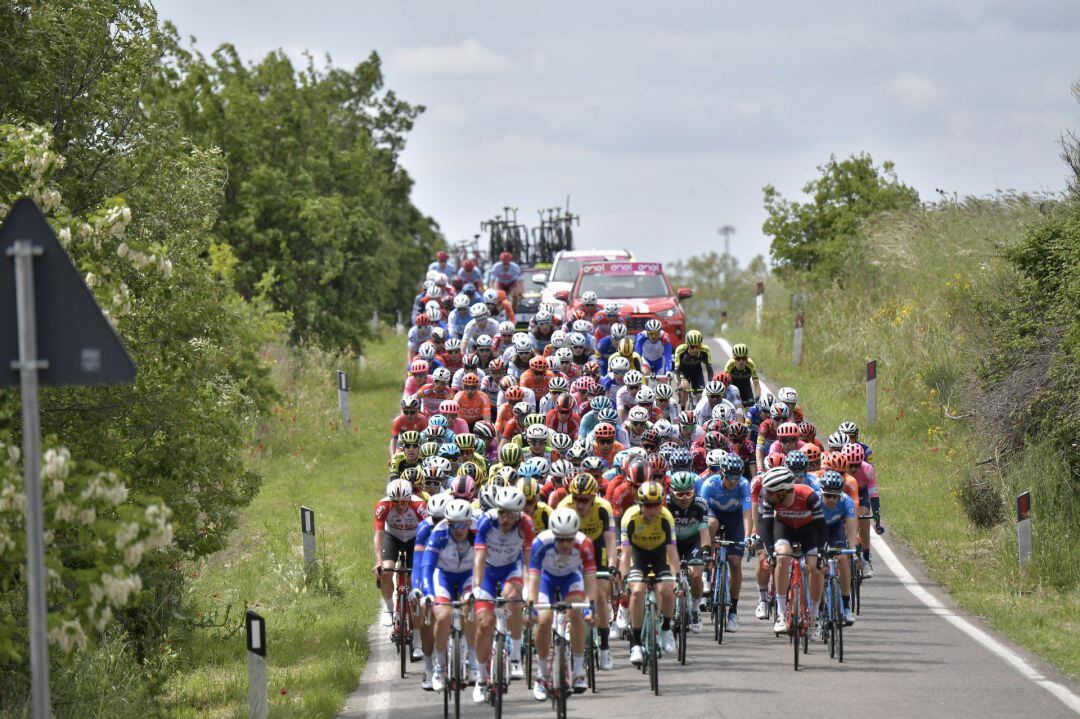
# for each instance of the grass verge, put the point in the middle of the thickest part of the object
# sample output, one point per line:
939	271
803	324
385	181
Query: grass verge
316	622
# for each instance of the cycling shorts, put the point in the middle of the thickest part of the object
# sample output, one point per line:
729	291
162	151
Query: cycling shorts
734	531
690	549
643	561
805	535
837	537
507	287
491	587
451	586
695	375
567	587
864	497
392	546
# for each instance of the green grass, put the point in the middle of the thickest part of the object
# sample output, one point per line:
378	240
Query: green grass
917	313
316	626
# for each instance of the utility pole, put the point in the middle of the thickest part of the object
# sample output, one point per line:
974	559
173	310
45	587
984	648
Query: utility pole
726	231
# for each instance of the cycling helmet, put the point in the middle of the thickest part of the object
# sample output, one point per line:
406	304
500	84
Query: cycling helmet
533	418
418	366
583	327
409	436
448	407
576	454
788	395
592	367
521	410
619	363
449	450
604	430
788	430
442	462
664	391
510	454
853	453
779	411
538	364
483	342
560	442
583	484
462	486
723	378
633	378
740	350
832	482
765	401
796	461
683	482
665	428
778	479
399	490
438	421
457	511
470	380
536	433
491	296
714	388
694	338
588	297
812	452
543	317
849	428
434	314
428	449
422	320
558	339
713	440
650	438
577	339
565	403
686	417
593	463
441	374
722	413
527	471
461	302
564	522
618	331
497	366
774	460
436	506
737	430
598	403
470	360
732	465
564	354
637	470
836	441
552	363
658	465
561	468
807	430
484	430
611	309
510	499
426	351
504	477
607	414
559	384
479	311
637	414
530	488
453	345
714	458
506	327
465	441
650	493
653	326
522	343
645	396
541	464
681	459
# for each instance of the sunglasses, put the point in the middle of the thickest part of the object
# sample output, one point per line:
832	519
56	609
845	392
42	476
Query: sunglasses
458	525
582	498
408	412
605	441
684	495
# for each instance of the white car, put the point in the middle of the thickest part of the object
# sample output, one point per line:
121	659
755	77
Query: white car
564	273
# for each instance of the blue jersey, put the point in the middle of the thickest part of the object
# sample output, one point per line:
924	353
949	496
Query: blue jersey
809	480
844	509
604	349
722	500
457	320
446	554
587	424
657	354
423	532
755	416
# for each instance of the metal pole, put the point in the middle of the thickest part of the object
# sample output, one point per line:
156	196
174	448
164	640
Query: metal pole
871	391
796	347
28	366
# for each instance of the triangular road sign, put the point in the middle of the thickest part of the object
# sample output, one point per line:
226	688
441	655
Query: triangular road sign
73	335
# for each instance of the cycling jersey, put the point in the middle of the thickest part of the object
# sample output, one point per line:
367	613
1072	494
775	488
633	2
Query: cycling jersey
546	558
743	378
721	500
638	533
455	383
503	547
804	508
536	381
457	320
477	327
568	426
540	516
657	353
844	509
504	274
602	323
599	518
447	564
400	523
404	423
431	397
703	409
399	463
418	336
472	409
689	520
696	370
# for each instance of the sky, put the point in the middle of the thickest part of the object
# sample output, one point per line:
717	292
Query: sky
663	121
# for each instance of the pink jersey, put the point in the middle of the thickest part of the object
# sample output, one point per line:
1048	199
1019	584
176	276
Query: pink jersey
866	476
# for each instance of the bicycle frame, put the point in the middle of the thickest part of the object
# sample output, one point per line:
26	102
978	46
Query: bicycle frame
456	655
559	672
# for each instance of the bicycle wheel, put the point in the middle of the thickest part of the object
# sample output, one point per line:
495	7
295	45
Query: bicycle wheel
591	658
716	608
683	618
527	655
458	679
499	675
560	681
654	664
725	588
401	632
794	627
806	620
646	636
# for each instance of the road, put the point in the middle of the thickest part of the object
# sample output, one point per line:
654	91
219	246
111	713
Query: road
911	653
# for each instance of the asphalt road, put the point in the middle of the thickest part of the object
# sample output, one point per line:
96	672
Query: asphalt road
902	658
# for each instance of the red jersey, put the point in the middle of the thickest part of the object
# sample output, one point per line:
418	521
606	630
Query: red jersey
804	508
569	426
400	524
403	423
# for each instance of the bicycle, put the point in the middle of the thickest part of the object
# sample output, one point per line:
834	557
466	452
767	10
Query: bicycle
720	587
560	687
798	610
401	635
499	666
682	609
856	580
833	605
650	633
456	657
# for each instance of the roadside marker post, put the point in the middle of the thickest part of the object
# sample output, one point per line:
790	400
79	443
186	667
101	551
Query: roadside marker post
307	531
871	391
796	347
52	332
343	398
398	327
723	321
258	685
759	304
1023	527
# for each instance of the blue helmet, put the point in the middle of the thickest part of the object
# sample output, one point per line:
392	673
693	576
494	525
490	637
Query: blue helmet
680	460
797	461
596	404
449	450
732	465
529	471
608	414
438	420
832	482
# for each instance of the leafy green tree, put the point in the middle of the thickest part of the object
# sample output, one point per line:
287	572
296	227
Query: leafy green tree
719	284
317	207
822	233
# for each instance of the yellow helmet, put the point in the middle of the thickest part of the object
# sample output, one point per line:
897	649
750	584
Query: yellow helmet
626	347
583	484
650	493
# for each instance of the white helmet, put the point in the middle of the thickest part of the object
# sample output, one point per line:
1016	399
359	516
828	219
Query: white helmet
431	277
491	296
458	510
577	339
540	463
611	308
714	457
522	342
478	311
583	326
653	326
441	374
483	341
506	327
487	495
564	522
426	351
559	383
637	414
536	431
461	301
665	428
542	317
588	297
722	412
619	364
564	354
552	363
836	441
618	331
398	490
434	313
436	506
558	338
778	479
435	290
788	395
633	377
510	499
664	391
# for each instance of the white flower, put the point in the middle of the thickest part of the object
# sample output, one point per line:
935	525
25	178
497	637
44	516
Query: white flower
127	533
68	636
122	249
64	235
87	516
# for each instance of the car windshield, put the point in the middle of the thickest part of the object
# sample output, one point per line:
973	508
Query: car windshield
527	284
566	270
624	287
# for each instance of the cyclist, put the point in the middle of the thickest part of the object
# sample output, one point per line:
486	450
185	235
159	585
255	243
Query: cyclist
505	275
843	530
655	348
541	330
616	372
597	523
562	417
648	548
537	509
609	344
607	317
626	395
470	274
590	304
743	374
458	317
473	405
792	513
637	423
408	454
727	496
397	516
562	566
851	430
504	537
766	431
480	324
869	501
442	264
665	407
419	333
691	536
537	378
715	396
692	363
436	506
409	419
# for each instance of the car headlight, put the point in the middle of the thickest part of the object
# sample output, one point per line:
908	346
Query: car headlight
668	314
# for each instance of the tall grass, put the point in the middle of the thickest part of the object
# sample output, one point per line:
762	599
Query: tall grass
914	306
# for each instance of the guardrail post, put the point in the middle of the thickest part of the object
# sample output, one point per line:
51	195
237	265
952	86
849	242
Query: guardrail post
307	531
871	391
759	304
796	347
1023	527
258	686
343	398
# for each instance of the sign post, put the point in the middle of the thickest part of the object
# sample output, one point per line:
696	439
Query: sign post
258	685
398	327
871	391
759	304
307	531
343	398
723	321
52	332
796	347
1023	527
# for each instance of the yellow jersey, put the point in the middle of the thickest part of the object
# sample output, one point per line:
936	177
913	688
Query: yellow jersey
647	535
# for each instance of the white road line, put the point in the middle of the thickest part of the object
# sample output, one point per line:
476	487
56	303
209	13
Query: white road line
381	670
1062	692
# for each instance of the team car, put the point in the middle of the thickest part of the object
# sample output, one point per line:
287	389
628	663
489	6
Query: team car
564	272
532	285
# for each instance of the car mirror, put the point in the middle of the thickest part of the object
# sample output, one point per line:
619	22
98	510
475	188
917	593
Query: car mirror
562	296
685	293
540	278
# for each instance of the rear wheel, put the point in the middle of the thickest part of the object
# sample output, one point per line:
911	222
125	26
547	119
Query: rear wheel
724	601
794	621
527	655
654	661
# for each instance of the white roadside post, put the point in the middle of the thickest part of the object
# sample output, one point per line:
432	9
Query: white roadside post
258	685
759	304
871	391
1023	527
723	321
375	321
398	327
343	398
307	531
796	347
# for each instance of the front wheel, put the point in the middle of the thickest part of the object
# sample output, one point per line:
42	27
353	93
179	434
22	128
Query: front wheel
654	661
795	621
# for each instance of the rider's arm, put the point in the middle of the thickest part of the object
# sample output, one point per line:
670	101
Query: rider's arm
665	366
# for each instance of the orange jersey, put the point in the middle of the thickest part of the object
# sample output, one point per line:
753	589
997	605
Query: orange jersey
473	409
616	447
404	424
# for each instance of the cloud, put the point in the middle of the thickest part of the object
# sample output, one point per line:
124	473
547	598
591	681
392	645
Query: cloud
468	57
916	90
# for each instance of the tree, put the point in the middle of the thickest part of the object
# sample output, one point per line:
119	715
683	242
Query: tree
824	232
718	282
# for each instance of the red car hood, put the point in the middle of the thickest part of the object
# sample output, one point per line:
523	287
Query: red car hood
643	305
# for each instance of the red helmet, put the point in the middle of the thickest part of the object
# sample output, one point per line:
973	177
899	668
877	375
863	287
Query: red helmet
808	430
774	460
788	430
468	265
714	440
418	367
422	320
686	417
441	256
853	453
515	394
637	470
604	430
497	365
723	377
470	380
565	403
657	465
470	360
834	461
591	367
538	364
506	257
578	314
737	430
650	438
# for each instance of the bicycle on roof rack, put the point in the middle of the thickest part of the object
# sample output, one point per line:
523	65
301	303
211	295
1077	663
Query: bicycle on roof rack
555	232
506	234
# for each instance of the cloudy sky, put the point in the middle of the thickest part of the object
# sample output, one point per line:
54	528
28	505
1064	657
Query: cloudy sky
664	120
